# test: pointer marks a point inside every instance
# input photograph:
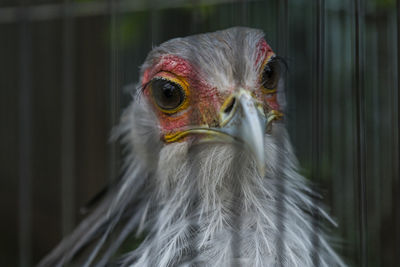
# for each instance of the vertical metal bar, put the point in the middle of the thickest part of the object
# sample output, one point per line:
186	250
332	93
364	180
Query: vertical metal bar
25	137
154	16
68	124
341	115
317	116
397	196
244	13
284	26
194	171
114	85
281	205
359	99
282	36
237	194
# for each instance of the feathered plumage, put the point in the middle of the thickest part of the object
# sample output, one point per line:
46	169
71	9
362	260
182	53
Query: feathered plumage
203	200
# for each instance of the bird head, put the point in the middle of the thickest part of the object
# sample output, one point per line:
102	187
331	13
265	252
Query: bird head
210	166
216	87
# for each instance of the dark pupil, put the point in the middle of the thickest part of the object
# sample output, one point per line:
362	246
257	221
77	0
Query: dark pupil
270	76
168	91
167	94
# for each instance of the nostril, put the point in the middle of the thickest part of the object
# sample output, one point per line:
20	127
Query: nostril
230	106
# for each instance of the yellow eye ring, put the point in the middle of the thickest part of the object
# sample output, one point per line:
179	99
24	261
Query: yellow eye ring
170	94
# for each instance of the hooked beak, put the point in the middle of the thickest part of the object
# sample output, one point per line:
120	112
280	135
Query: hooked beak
244	122
241	120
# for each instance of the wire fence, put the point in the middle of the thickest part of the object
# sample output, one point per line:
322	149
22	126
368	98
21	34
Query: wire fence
64	65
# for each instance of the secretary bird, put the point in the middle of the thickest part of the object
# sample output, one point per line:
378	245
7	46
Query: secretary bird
210	177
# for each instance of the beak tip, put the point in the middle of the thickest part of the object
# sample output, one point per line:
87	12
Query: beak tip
261	168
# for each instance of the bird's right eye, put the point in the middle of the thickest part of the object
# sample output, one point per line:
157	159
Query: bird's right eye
168	95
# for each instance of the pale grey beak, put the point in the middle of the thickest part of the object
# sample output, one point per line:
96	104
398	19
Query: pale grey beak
241	119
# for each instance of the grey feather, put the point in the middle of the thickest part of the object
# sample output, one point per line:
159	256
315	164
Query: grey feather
197	202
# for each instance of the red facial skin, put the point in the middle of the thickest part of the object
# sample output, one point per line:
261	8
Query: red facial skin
264	50
204	100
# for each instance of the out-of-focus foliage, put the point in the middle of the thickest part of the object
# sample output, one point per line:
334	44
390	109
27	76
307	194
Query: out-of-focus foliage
131	28
385	3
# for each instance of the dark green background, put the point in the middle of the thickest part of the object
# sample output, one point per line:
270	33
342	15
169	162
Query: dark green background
75	67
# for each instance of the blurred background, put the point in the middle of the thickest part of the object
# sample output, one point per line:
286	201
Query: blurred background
64	65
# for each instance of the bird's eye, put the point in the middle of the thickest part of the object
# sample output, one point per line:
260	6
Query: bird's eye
167	95
270	75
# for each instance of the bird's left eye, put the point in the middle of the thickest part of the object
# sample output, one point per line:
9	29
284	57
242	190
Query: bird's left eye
271	74
167	94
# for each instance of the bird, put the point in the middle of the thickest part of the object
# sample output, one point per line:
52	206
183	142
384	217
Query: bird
210	175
